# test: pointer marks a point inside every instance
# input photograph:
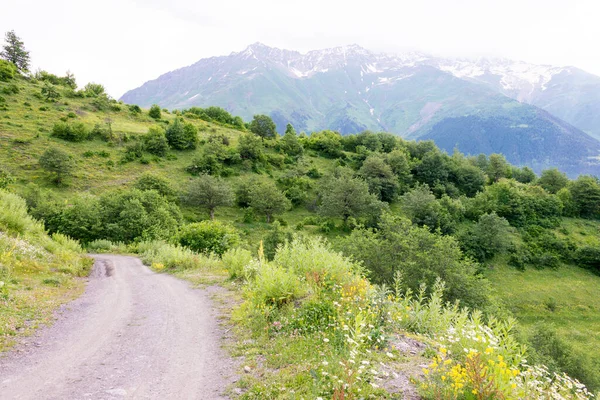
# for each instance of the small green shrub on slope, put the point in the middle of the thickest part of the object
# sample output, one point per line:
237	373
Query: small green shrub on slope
208	237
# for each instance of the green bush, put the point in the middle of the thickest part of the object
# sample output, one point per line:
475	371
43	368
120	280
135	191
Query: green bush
154	112
134	109
106	246
208	237
148	181
8	70
76	132
588	257
14	217
155	142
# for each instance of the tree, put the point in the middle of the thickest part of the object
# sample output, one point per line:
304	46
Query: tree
289	128
49	92
523	175
250	148
266	199
327	142
209	192
14	51
182	136
399	162
290	144
263	126
469	178
154	111
433	169
586	196
421	206
346	197
57	162
380	178
498	167
552	180
488	237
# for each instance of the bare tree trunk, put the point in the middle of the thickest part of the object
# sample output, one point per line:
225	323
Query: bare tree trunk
212	213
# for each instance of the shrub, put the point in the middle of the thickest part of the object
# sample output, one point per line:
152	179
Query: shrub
8	70
155	142
208	237
133	151
50	93
148	181
106	246
327	142
276	237
154	112
135	109
588	257
94	90
14	217
71	132
6	178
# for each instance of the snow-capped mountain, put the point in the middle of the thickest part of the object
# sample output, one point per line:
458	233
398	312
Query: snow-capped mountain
350	89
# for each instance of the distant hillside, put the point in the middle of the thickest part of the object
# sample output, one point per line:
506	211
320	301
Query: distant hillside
350	89
538	140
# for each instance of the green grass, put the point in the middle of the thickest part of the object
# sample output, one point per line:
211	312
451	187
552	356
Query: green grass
566	298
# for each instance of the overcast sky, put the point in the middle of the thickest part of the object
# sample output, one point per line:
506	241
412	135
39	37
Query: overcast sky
123	43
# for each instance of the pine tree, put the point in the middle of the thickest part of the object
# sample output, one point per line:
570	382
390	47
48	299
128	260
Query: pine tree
14	51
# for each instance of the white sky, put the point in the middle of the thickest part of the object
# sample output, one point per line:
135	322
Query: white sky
123	43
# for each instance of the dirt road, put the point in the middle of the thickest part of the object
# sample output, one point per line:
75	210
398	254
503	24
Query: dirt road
134	334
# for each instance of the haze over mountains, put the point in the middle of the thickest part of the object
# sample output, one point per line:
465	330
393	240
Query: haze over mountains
535	115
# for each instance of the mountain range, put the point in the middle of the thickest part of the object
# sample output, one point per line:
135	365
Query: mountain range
541	116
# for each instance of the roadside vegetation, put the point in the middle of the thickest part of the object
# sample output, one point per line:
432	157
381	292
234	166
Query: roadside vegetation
343	249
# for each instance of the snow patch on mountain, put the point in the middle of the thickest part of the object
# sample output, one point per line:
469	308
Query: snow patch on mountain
513	75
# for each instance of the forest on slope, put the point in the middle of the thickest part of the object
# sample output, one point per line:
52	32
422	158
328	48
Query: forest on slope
99	170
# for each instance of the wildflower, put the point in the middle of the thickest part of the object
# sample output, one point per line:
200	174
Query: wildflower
326	340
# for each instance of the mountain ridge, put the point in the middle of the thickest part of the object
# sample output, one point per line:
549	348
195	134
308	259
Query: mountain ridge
350	89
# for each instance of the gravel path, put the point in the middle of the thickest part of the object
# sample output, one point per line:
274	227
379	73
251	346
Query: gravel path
134	334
